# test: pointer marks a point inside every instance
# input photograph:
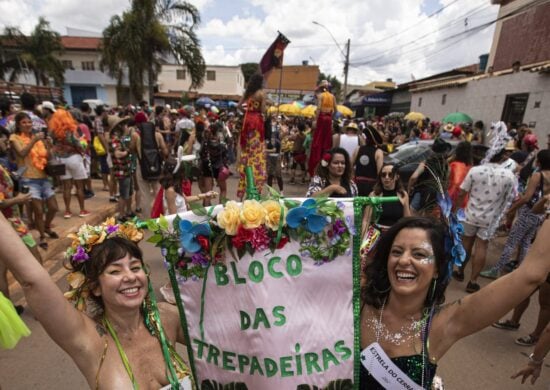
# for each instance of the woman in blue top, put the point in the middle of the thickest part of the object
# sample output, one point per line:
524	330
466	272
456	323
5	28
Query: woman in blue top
402	312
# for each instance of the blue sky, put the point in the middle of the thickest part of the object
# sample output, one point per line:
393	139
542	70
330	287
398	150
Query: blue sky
389	38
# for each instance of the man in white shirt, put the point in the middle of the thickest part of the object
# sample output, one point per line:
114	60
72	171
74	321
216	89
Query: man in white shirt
491	189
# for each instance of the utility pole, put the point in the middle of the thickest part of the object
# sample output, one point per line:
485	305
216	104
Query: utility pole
346	70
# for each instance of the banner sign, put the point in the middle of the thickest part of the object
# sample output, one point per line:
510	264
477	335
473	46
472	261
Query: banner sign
268	293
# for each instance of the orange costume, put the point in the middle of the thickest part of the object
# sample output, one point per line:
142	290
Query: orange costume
322	135
458	172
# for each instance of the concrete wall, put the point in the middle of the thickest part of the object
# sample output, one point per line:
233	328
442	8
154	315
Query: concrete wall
484	99
229	80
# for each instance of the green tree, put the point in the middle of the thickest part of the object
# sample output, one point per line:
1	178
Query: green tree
249	68
334	82
38	53
141	38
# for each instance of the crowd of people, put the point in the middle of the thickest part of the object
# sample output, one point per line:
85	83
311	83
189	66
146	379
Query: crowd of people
147	159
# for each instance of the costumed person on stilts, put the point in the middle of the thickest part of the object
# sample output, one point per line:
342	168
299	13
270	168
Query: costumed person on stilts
322	133
252	140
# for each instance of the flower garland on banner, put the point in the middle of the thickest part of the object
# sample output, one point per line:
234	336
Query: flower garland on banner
318	225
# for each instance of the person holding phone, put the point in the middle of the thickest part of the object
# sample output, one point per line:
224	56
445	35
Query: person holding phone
32	152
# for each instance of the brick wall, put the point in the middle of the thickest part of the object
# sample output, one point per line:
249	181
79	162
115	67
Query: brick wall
524	38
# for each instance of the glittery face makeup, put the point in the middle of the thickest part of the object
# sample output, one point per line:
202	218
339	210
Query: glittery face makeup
430	259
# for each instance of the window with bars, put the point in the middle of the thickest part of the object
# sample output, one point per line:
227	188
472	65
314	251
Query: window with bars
67	64
180	74
88	65
211	75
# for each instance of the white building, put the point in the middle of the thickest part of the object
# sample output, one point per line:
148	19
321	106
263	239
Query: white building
220	83
514	87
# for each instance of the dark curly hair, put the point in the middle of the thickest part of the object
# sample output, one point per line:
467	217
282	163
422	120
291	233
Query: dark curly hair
255	83
322	171
464	153
377	286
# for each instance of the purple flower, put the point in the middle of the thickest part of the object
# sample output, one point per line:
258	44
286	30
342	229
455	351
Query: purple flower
199	259
80	255
339	227
111	229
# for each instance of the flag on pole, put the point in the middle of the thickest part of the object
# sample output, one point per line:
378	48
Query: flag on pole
273	57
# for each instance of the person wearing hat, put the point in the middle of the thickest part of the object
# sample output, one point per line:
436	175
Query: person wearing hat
122	146
367	161
350	140
322	133
491	189
447	132
423	182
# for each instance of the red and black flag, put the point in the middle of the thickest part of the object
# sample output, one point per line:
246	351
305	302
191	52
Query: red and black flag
273	57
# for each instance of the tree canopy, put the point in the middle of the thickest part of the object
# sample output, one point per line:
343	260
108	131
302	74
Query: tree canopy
336	85
149	33
37	53
249	68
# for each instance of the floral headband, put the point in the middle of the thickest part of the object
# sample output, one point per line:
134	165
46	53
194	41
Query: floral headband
83	242
326	159
88	236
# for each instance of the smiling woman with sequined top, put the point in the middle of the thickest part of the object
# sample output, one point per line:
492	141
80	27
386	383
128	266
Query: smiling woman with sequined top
405	328
129	342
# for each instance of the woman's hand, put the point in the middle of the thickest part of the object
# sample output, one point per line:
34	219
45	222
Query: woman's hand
21	198
530	370
336	188
38	137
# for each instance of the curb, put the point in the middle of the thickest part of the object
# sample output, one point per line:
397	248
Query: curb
63	242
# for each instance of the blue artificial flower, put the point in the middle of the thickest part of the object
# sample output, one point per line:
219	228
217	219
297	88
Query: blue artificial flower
306	215
189	233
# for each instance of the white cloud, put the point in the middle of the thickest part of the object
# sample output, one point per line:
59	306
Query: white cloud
245	31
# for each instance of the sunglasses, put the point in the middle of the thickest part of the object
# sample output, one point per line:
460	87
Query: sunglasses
389	175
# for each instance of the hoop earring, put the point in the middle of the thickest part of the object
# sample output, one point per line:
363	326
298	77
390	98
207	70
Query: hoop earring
381	291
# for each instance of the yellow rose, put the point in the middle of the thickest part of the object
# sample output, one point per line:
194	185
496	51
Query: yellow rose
273	214
229	217
252	214
131	232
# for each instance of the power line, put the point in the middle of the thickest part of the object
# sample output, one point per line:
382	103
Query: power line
436	12
416	40
475	29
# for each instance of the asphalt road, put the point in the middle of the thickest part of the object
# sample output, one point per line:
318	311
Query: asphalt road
482	361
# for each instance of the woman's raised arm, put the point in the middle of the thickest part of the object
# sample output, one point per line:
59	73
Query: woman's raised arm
477	311
68	327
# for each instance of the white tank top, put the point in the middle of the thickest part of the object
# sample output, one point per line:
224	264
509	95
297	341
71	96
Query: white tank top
181	205
349	143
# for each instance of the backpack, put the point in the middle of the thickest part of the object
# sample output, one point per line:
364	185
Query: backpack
151	160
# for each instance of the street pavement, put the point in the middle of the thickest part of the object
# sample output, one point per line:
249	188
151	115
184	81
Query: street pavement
485	360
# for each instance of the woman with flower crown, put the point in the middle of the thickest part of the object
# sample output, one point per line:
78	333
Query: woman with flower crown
333	176
405	328
128	341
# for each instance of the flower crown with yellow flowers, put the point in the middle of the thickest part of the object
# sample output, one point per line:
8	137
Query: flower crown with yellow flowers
79	252
88	236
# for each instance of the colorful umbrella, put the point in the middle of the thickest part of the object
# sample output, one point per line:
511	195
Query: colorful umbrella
309	111
414	116
457	117
344	110
205	102
289	109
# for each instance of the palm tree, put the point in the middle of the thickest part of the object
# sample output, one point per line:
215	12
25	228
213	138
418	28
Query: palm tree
145	34
37	53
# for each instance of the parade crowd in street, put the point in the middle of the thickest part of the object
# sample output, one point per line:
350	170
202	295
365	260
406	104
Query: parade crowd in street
147	159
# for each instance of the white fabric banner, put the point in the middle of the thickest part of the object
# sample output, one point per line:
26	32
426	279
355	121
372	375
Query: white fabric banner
273	320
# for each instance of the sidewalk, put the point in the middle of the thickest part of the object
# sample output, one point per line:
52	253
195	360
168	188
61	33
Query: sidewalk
100	208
